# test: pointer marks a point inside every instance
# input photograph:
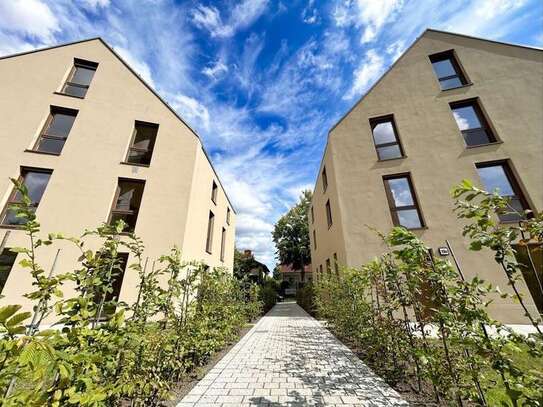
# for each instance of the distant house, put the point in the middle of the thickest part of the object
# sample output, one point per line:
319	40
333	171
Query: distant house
292	279
255	270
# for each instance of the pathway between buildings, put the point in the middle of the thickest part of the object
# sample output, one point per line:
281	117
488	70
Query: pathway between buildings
290	359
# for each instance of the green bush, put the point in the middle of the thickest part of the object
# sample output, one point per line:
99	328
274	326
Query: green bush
305	298
388	307
268	296
109	353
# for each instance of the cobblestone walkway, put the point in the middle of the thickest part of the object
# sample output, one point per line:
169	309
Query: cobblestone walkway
290	359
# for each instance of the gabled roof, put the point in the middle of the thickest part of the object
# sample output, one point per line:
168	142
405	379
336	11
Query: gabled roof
164	102
428	30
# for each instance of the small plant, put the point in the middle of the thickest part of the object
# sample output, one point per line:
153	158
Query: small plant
103	351
415	319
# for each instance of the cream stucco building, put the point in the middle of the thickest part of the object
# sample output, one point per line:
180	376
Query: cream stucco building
94	143
452	107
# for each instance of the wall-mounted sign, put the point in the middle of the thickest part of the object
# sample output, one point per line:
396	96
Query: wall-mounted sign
443	251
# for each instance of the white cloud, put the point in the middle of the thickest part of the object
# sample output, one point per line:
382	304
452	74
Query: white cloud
96	4
30	17
366	74
138	65
368	15
215	70
374	14
488	18
310	15
396	49
190	109
241	16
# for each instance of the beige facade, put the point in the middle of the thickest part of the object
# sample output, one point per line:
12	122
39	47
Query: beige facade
178	182
504	81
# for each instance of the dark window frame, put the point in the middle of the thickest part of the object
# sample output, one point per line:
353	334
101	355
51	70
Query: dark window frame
374	121
82	64
223	243
45	136
455	62
210	227
324	179
392	204
115	211
481	116
336	265
214	192
7	252
328	266
228	215
149	150
513	182
11	199
314	240
328	209
312	215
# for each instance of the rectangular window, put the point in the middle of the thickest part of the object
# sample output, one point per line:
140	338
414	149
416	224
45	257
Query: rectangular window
143	143
227	216
127	202
472	123
403	204
447	70
336	265
56	130
328	266
314	240
35	181
498	177
209	240
214	189
312	215
324	179
7	260
385	138
80	78
328	214
530	258
116	284
320	269
223	243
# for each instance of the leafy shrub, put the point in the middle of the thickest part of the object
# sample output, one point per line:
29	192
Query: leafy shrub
389	307
268	296
107	352
305	298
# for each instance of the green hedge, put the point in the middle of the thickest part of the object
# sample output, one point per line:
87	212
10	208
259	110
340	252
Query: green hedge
107	352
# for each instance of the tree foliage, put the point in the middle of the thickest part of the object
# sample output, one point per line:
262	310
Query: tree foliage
291	234
103	352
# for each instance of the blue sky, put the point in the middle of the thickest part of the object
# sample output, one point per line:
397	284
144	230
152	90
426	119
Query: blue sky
262	81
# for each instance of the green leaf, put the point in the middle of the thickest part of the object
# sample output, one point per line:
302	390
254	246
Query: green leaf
18	330
476	245
7	311
18	318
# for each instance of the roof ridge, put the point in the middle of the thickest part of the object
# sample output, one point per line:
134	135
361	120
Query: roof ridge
164	102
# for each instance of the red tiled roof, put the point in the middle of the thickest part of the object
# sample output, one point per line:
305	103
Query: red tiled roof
287	268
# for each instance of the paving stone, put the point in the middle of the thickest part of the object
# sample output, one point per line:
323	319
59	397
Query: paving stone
290	359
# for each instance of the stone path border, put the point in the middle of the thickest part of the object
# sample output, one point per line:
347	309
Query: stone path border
289	359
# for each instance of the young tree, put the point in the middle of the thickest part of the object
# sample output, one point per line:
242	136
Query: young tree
291	234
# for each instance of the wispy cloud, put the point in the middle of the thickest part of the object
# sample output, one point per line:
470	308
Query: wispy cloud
366	74
241	16
29	17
